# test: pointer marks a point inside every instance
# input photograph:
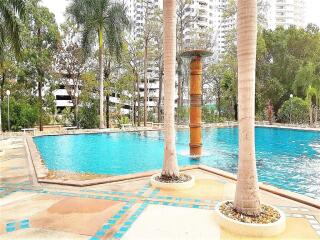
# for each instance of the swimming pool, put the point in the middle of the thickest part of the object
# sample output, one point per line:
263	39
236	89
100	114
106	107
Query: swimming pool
288	159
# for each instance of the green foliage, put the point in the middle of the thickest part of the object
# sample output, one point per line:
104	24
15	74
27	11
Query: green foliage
67	117
210	115
122	120
182	114
151	117
104	17
23	114
10	28
88	114
288	61
296	108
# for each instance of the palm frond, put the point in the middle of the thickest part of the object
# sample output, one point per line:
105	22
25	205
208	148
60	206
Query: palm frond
91	14
10	11
115	24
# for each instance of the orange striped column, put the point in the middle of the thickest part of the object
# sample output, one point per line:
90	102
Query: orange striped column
195	100
195	106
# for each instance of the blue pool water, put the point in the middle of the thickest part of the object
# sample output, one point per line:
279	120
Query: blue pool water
289	159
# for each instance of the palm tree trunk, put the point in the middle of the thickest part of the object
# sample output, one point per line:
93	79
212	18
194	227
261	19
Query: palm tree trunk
40	104
235	110
145	82
219	103
170	166
134	102
160	94
247	199
310	114
76	104
138	99
179	103
315	117
107	111
100	33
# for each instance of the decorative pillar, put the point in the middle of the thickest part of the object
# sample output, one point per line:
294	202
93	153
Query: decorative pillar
195	144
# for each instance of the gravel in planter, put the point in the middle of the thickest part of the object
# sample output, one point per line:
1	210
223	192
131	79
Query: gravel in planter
182	178
268	214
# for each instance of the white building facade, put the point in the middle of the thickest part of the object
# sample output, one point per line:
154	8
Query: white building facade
208	14
286	13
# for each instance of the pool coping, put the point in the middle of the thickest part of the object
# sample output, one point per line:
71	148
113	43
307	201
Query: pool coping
309	129
40	172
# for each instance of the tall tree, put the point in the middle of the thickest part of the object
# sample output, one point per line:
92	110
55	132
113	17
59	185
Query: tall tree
10	12
41	38
147	36
184	19
70	63
247	191
156	54
170	167
133	58
102	21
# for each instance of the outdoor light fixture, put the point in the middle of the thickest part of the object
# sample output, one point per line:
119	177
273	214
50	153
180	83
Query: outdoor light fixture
8	94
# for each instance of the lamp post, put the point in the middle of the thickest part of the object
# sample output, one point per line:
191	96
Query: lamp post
8	94
291	96
76	95
195	144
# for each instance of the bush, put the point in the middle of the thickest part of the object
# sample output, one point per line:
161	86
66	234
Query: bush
297	108
88	115
182	114
122	120
23	114
209	115
67	117
151	116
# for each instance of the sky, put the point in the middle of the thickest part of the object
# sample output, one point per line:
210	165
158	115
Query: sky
58	8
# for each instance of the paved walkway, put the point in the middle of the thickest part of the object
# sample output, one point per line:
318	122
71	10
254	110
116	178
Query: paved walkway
130	210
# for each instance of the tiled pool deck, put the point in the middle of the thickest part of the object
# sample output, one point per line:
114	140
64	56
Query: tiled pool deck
129	210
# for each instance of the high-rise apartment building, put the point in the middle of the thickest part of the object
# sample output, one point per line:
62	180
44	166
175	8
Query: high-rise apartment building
201	13
286	13
205	15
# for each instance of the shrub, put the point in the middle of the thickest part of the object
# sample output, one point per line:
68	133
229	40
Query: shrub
297	108
122	120
67	117
182	114
23	114
209	115
88	115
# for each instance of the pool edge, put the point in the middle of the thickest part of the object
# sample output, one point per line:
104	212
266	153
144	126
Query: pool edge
269	188
41	171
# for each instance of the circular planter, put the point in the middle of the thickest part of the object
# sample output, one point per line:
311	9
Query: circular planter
171	186
250	229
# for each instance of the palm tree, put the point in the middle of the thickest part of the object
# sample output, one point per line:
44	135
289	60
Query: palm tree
247	199
10	30
9	23
103	21
170	166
